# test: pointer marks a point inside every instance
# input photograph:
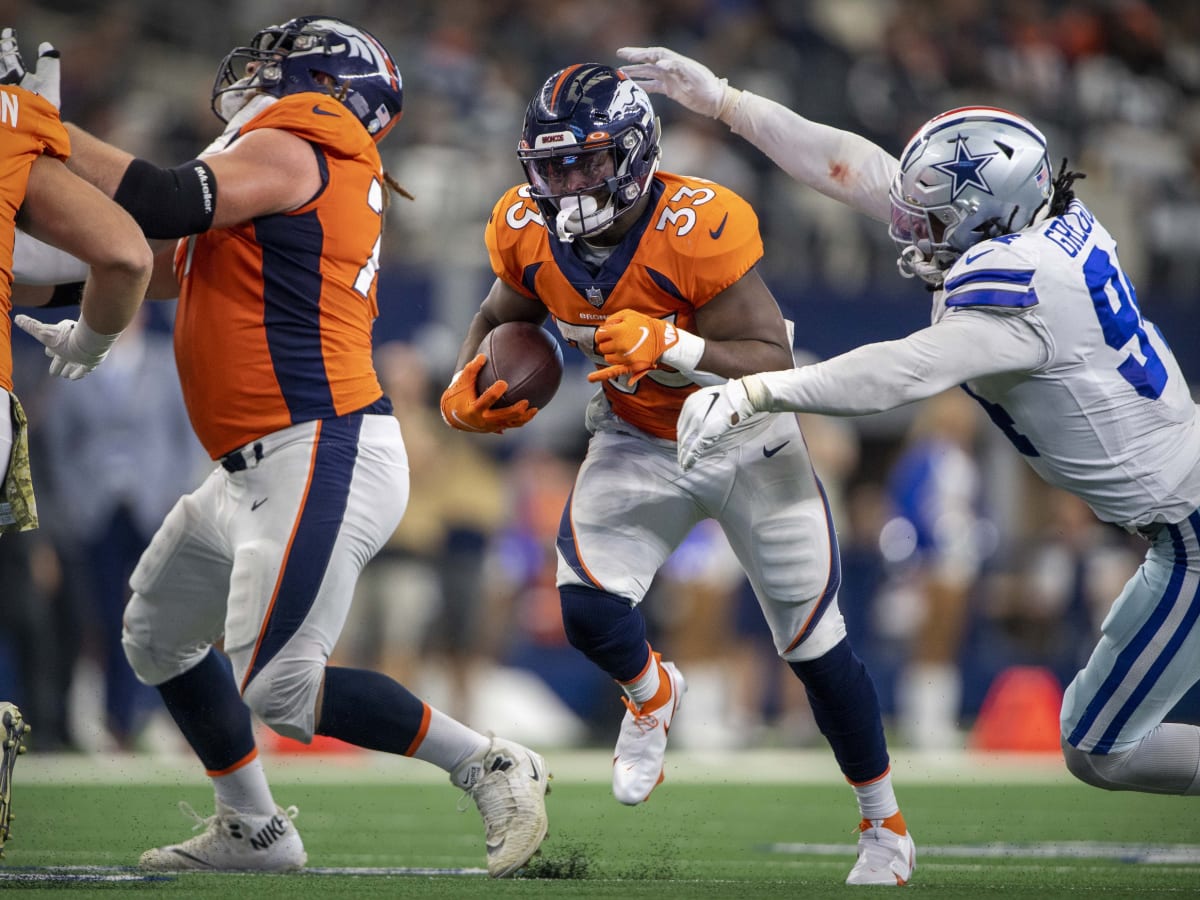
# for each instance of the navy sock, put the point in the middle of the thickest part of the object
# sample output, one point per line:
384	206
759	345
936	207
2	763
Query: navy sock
846	709
607	629
370	710
205	704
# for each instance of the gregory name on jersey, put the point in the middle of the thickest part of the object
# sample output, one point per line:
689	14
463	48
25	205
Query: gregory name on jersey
1072	229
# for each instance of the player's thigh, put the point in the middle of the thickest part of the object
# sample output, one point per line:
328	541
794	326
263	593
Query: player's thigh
181	582
778	522
625	516
1145	659
294	572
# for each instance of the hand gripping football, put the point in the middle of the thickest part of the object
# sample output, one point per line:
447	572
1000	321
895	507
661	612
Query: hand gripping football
527	357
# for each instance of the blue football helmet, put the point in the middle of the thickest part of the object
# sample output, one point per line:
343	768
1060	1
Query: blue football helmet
590	148
285	59
968	175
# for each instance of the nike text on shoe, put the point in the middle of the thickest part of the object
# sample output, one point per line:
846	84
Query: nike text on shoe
12	732
509	784
884	857
642	743
233	842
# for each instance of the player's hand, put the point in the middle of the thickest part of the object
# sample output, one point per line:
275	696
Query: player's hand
707	416
73	347
631	343
466	411
687	82
43	79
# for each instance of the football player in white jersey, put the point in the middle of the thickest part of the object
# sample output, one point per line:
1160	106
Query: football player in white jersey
1033	314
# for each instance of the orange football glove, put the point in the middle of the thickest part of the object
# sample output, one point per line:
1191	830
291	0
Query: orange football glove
462	409
632	343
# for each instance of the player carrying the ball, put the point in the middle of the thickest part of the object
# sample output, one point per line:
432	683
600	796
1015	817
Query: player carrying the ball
652	276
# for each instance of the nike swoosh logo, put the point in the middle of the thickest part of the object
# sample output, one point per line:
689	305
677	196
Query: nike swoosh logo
257	503
711	404
492	848
645	334
323	112
769	453
535	776
968	259
720	228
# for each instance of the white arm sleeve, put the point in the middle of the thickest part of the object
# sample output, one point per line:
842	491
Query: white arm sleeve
839	164
878	377
36	262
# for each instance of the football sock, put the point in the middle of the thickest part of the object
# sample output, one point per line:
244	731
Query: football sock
652	688
607	629
877	799
245	789
370	710
846	709
205	704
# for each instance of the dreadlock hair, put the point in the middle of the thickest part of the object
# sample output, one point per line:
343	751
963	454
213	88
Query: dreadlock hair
1063	193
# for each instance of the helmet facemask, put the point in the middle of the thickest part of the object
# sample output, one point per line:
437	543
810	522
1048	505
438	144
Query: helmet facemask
585	188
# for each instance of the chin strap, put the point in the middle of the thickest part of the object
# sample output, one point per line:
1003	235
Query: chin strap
580	213
254	103
914	264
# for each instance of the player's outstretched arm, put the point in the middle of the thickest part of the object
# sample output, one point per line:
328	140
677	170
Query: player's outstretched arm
839	164
66	212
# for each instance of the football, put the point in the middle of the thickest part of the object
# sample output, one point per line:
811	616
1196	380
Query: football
527	357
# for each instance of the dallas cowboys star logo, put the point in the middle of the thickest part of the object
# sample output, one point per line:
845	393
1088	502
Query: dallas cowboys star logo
965	169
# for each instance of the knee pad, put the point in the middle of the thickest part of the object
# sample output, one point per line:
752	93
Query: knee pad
153	664
284	696
1097	769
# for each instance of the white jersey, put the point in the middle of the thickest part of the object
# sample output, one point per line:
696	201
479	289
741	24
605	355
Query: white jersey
1108	416
1043	328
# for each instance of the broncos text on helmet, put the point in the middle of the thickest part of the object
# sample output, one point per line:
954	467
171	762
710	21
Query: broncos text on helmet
968	175
590	148
290	58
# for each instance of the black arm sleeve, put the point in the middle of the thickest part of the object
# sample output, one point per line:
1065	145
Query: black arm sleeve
169	203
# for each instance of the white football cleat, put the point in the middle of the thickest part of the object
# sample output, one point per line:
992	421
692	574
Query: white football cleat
642	743
12	731
884	857
509	784
233	842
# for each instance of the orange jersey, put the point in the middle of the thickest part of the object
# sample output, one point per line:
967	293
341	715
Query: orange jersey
29	127
274	320
696	239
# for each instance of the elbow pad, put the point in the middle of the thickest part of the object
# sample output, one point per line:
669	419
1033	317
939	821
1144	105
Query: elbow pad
169	203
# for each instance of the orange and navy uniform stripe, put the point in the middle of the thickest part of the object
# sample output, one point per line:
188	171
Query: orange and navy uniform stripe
696	239
274	319
29	128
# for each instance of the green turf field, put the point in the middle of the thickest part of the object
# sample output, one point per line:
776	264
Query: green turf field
724	831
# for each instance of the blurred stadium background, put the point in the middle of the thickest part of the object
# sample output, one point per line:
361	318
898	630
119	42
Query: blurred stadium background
967	584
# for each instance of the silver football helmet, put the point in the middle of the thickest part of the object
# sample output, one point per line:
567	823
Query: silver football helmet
968	175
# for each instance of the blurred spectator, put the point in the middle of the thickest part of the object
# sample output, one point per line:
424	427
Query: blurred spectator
1066	578
935	544
419	603
118	450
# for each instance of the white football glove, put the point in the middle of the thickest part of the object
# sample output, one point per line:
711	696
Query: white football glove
73	347
707	416
42	79
687	82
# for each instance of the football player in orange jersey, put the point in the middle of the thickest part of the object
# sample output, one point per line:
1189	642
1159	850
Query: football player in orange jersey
276	279
652	276
41	196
